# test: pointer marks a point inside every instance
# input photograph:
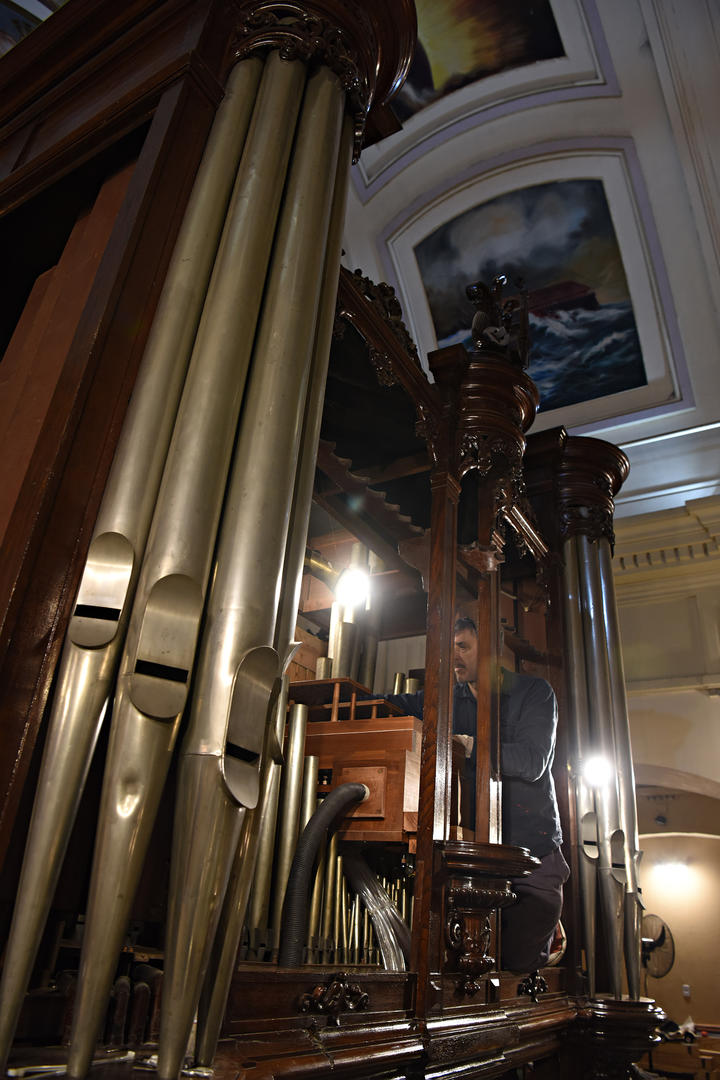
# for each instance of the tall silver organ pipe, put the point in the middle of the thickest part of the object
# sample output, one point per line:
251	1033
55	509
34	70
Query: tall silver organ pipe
579	718
257	824
626	775
308	802
289	814
312	420
97	627
159	652
231	699
611	871
253	861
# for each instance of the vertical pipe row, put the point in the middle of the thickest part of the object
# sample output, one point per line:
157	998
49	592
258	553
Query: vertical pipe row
97	627
241	617
164	623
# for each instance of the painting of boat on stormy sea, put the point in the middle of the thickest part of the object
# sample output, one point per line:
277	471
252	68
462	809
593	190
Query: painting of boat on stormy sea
559	238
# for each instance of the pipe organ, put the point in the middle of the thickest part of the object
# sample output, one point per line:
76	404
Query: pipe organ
201	413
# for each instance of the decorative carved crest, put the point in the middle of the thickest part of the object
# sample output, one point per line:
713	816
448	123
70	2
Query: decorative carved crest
427	428
480	451
500	327
593	521
299	35
383	368
533	986
338	995
382	297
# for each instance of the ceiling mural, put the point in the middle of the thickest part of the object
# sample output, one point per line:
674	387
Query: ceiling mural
462	41
15	24
559	239
19	17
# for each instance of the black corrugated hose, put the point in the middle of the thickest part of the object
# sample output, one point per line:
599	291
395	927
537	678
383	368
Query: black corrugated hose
297	895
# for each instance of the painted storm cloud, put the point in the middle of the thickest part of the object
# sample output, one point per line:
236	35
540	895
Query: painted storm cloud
560	239
462	41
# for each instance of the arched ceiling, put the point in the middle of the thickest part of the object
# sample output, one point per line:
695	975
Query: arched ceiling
569	142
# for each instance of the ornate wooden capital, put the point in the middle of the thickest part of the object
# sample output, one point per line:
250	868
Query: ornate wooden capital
369	51
497	405
590	474
616	1033
490	403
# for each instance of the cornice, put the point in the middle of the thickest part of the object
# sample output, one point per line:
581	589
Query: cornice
672	553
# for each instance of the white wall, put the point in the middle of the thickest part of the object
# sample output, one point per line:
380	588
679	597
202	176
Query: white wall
686	899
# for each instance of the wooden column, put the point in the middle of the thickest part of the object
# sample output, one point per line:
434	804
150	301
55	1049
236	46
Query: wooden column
487	404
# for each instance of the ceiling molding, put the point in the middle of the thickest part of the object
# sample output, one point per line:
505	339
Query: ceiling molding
675	779
671	552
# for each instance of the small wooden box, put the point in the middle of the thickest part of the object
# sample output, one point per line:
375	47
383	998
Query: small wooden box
358	738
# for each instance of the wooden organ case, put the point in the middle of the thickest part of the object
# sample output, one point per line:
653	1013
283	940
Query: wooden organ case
105	116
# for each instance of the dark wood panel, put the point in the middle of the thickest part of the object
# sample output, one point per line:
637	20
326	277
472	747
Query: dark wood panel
92	74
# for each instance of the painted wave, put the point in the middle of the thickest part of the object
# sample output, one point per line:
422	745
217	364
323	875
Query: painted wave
579	355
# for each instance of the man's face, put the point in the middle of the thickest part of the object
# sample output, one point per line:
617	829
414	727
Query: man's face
465	656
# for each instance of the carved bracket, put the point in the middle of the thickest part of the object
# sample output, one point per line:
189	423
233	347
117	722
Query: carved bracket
468	933
338	995
533	986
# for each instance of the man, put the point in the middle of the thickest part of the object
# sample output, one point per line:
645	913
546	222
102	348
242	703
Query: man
528	721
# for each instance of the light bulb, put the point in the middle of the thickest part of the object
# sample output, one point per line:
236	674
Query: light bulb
352	587
597	770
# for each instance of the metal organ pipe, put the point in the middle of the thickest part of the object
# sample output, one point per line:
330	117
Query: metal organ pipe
289	815
256	824
580	723
625	773
610	835
329	893
308	802
97	627
165	620
312	420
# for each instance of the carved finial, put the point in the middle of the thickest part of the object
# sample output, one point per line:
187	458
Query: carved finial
500	327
